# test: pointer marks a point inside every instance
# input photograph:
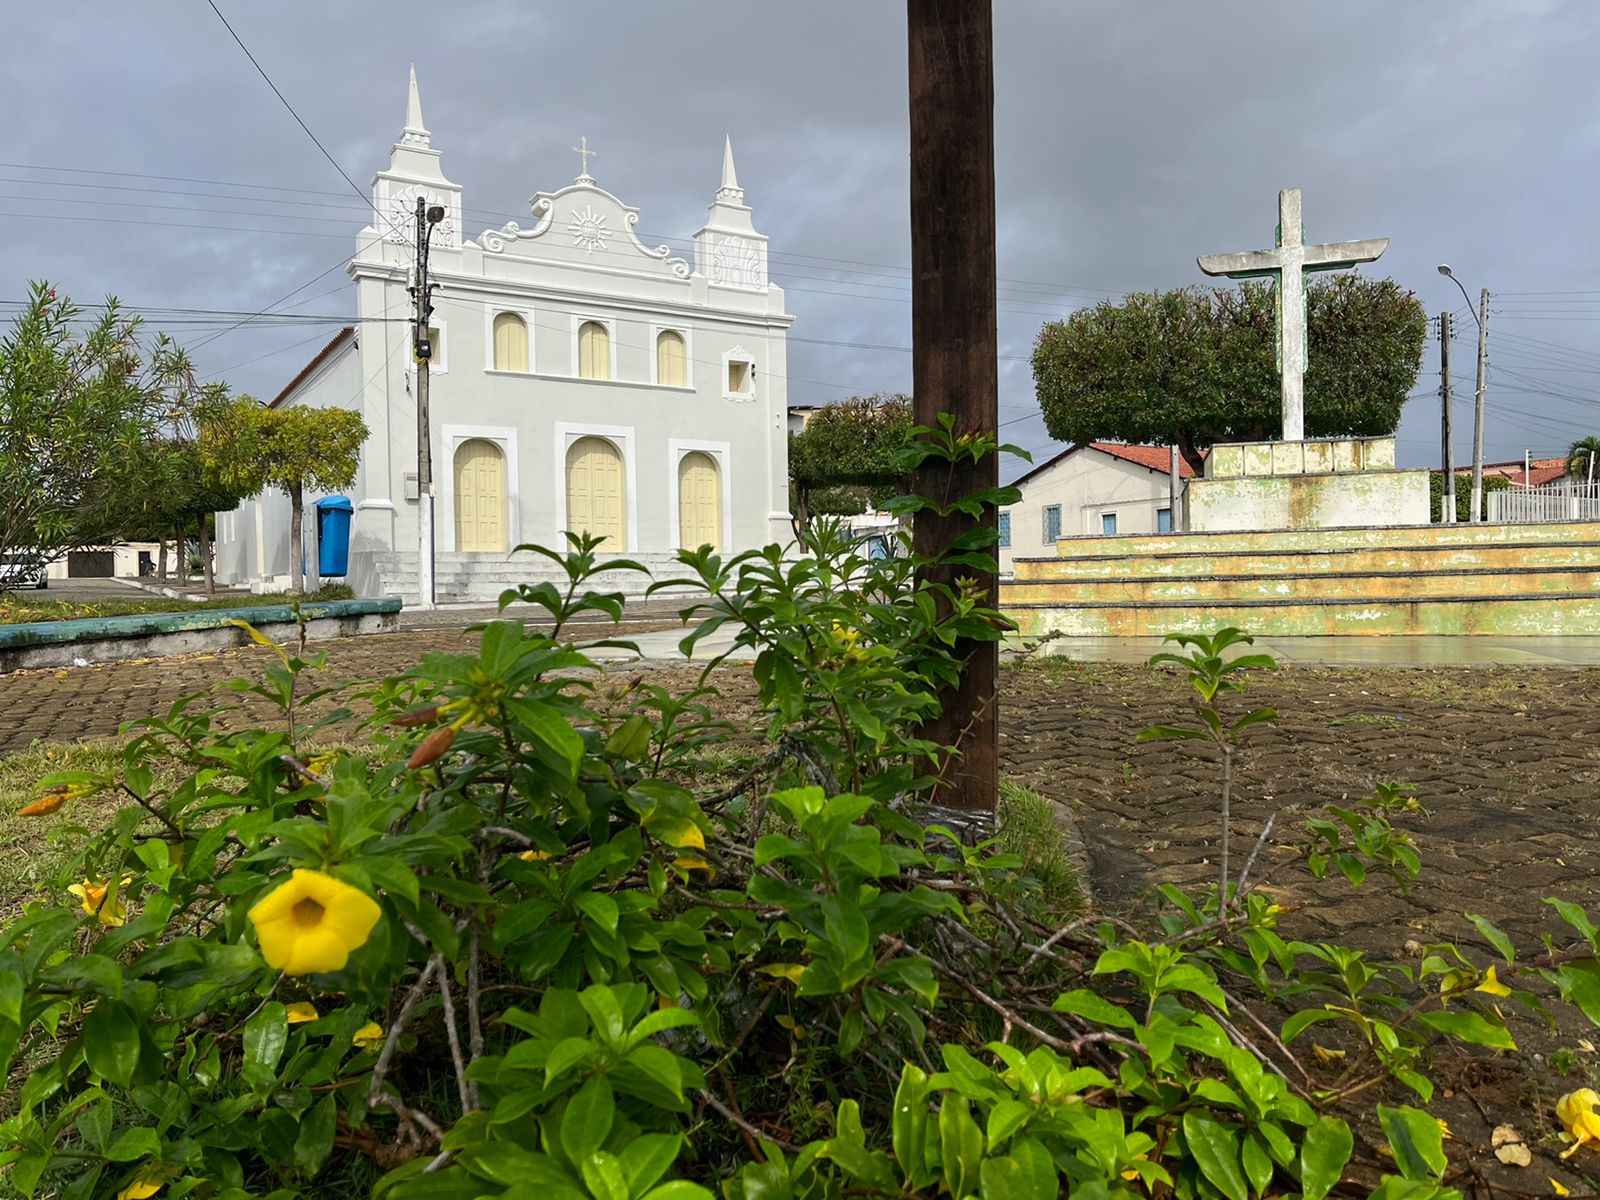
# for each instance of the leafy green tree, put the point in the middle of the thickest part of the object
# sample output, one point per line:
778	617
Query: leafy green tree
247	447
1580	455
86	422
843	462
1199	366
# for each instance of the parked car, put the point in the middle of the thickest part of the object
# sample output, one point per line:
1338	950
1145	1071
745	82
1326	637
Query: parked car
22	570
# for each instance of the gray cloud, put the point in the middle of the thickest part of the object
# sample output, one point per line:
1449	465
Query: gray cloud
1129	138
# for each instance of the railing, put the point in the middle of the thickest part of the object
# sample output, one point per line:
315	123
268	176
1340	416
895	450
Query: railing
1567	500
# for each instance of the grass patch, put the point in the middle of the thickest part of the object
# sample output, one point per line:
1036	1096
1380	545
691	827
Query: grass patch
1029	829
22	608
29	854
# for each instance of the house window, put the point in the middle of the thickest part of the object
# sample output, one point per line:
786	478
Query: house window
1108	523
1005	529
594	351
1163	520
1052	524
510	342
672	361
741	376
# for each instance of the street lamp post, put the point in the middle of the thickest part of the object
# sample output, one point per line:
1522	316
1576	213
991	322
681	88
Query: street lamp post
1482	318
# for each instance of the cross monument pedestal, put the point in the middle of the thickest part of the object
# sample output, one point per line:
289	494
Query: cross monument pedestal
1295	483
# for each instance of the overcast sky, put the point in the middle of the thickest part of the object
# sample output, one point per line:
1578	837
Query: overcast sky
1130	137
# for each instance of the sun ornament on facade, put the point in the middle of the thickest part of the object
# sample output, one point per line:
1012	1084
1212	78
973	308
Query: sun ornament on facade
588	229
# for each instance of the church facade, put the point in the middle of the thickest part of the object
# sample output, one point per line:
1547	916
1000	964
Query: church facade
580	380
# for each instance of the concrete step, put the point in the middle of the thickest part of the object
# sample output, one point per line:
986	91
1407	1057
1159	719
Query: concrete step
1308	586
1535	615
1289	541
1202	564
1510	580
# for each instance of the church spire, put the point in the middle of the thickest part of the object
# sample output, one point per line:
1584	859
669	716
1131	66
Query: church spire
730	189
415	133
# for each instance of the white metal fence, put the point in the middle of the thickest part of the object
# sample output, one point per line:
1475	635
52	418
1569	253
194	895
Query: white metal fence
1567	500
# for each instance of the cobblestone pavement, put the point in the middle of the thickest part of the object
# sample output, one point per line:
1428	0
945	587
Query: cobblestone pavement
92	702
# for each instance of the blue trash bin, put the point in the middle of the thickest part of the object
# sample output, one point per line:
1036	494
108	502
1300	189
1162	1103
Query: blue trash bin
333	535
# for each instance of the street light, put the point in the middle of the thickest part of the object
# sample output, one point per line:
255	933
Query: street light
1483	366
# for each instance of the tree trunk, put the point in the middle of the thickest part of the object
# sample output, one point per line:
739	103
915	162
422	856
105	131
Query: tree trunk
180	544
1191	453
297	579
161	571
205	554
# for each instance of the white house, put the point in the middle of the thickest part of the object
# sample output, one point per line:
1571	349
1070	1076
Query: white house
580	380
1099	488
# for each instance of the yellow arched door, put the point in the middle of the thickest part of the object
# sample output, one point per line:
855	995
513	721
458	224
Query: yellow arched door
596	497
699	502
480	496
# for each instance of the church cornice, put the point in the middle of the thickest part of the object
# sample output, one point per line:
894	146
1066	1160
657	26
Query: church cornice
497	290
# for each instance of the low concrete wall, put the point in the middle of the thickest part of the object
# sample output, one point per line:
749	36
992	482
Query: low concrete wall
154	635
1289	501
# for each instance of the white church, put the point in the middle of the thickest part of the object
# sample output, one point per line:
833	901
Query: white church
580	380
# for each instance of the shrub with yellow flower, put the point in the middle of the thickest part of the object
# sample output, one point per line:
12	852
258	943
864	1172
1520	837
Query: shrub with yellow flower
312	922
1578	1116
110	910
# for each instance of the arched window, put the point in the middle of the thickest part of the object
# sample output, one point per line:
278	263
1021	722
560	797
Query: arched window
672	362
510	342
594	351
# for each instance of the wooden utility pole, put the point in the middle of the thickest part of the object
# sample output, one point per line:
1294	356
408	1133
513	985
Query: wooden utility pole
422	351
1447	457
954	341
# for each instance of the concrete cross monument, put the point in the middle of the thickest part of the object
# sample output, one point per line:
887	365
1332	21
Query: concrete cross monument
1287	264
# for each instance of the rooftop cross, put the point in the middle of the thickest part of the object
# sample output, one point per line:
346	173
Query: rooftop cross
1287	264
583	152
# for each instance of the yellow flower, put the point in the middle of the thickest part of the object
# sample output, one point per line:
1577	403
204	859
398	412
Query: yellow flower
311	922
303	1011
1444	1130
845	634
95	903
369	1037
147	1183
1491	984
1576	1112
534	855
1560	1191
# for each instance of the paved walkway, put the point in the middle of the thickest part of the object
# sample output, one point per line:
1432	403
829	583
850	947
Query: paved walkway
92	702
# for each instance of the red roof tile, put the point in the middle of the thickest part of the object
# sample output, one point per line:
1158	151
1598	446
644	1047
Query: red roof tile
1156	458
349	331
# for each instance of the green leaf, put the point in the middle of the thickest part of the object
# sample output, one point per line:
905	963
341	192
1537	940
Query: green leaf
1215	1150
1324	1151
961	1146
1169	733
587	1121
1417	1142
1471	1027
111	1042
647	1158
265	1036
1084	1003
1495	937
315	1140
909	1126
1574	915
135	1144
599	908
1299	1022
602	1174
1257	1164
682	1189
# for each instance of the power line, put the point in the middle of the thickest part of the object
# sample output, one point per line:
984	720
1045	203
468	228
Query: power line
285	100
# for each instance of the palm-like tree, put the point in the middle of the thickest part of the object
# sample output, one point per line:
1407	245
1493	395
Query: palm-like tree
1579	456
